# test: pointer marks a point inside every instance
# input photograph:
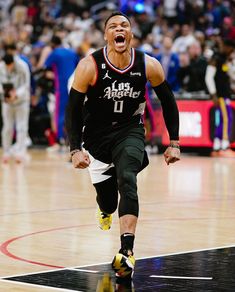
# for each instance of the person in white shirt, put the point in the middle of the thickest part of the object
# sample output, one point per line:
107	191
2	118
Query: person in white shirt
185	40
15	98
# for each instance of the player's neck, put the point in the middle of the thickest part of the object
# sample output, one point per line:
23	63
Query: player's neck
120	60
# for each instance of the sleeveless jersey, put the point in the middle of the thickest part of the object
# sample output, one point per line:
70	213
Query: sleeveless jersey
117	95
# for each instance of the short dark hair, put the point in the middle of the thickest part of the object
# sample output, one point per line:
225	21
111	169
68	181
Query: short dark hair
115	13
10	46
229	43
8	59
56	40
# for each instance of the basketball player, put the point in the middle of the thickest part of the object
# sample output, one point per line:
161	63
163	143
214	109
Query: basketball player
219	87
113	81
63	62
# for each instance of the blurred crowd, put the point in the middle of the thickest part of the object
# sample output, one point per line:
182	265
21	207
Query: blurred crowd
47	34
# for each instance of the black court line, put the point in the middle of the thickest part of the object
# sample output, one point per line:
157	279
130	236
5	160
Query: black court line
202	271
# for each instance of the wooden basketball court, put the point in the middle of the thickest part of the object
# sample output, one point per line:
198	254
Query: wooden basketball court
48	223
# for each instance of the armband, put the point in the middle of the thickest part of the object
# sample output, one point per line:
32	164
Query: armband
174	146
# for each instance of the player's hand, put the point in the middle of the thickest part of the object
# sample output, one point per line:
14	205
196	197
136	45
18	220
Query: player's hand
9	99
12	96
171	155
80	160
215	99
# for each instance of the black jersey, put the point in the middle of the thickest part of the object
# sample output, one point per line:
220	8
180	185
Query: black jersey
117	95
222	79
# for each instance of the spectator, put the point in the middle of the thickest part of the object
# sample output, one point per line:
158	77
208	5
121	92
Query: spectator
12	50
170	63
220	9
170	11
63	62
232	73
24	60
15	92
186	38
145	23
19	12
192	73
228	29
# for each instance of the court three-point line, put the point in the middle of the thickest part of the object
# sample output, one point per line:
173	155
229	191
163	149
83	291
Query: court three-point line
83	270
181	277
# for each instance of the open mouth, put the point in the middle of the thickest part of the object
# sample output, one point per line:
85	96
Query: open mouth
120	40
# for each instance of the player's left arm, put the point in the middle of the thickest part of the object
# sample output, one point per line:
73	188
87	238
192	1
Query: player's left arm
155	75
50	60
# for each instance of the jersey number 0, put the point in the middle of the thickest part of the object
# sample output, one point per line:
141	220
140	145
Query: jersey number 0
118	106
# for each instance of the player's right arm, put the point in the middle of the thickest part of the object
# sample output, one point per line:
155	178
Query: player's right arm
155	75
85	75
210	80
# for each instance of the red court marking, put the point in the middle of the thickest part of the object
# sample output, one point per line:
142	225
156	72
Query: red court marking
4	246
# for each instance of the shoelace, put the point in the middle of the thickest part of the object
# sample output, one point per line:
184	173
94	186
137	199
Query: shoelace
104	215
126	252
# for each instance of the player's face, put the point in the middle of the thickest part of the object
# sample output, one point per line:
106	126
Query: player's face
118	33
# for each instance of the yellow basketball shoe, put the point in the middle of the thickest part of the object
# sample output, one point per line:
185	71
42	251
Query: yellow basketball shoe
105	220
105	284
123	265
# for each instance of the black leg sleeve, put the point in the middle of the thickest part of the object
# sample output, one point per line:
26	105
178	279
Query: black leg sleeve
107	195
127	168
128	162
